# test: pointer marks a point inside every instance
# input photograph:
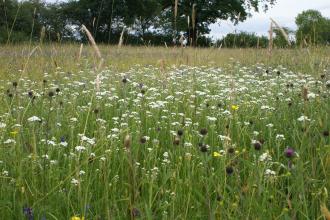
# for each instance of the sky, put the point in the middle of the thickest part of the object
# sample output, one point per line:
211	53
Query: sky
283	12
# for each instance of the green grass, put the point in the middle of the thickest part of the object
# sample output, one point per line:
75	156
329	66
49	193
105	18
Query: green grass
156	173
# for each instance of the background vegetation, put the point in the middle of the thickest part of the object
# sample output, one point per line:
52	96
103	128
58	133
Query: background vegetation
147	22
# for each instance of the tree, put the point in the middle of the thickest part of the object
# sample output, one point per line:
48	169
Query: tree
108	17
242	40
22	20
313	28
207	12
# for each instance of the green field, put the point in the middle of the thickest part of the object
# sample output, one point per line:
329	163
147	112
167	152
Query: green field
164	133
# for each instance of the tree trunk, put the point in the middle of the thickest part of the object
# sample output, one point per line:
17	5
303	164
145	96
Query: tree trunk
192	36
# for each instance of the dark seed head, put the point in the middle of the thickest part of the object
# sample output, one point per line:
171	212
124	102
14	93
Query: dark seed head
231	150
143	140
96	111
262	141
257	145
180	132
51	94
203	131
219	198
10	95
135	213
57	90
176	141
203	148
91	159
30	94
44	81
15	84
278	73
124	80
143	91
229	170
325	133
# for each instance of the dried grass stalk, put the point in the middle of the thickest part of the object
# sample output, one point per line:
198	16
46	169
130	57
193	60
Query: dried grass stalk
92	41
127	142
121	39
325	211
305	93
80	51
270	44
285	35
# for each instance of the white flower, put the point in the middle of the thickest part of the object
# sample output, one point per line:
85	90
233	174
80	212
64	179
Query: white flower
81	172
303	118
64	144
265	157
5	173
211	119
165	154
224	138
2	125
187	144
74	181
80	148
90	141
53	162
73	119
311	95
270	125
52	143
270	173
34	118
9	141
280	137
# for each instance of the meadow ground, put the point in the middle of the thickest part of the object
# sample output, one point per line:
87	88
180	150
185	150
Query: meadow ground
164	133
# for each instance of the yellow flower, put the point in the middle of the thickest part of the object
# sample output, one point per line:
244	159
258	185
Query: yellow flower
216	154
235	107
14	133
77	218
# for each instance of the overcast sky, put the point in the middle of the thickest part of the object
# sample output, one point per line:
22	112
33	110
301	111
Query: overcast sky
284	13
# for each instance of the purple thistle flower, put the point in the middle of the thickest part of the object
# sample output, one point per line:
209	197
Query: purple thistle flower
289	152
27	211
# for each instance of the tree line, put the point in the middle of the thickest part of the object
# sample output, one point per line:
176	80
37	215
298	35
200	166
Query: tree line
147	22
